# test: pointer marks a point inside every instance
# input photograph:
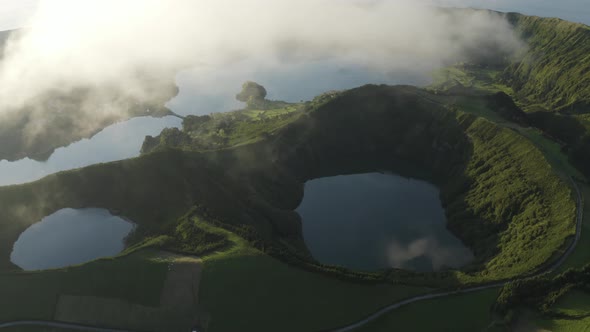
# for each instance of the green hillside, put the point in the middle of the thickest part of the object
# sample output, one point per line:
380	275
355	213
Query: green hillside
496	185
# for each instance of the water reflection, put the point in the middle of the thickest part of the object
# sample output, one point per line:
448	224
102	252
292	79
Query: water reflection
117	142
372	221
210	90
70	237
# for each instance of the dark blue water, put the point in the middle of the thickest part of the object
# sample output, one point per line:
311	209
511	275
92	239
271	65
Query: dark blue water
70	237
373	221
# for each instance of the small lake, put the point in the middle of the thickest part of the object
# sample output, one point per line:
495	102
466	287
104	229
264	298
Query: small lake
373	221
69	237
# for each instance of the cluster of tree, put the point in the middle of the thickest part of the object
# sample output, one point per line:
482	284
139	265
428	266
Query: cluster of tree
189	238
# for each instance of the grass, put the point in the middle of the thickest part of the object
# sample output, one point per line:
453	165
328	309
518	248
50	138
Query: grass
553	71
508	172
574	303
100	311
564	325
244	290
135	279
467	312
581	255
552	151
226	130
478	78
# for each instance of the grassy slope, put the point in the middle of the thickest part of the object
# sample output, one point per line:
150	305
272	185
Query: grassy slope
495	183
581	256
555	70
510	196
243	289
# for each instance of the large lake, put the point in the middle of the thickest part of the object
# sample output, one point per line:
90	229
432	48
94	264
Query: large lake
70	237
373	221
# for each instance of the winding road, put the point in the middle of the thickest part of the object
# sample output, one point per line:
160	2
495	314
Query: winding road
548	269
67	326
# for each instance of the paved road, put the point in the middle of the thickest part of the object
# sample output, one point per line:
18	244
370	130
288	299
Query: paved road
77	327
550	268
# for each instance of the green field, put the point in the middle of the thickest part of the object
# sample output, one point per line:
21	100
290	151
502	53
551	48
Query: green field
136	278
468	313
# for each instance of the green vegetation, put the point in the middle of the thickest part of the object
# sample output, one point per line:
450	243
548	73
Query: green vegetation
551	82
135	278
467	312
22	135
223	130
574	303
244	289
566	325
190	238
581	256
244	171
498	141
543	292
501	195
255	123
511	201
553	72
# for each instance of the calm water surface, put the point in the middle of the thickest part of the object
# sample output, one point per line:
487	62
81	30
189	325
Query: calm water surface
117	142
373	221
209	90
70	237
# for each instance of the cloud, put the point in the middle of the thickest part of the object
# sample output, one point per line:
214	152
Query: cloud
112	44
14	14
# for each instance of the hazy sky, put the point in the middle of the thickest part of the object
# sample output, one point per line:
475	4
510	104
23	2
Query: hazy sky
14	13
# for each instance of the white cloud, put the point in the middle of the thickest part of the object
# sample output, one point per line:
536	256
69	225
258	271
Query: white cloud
15	13
72	43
